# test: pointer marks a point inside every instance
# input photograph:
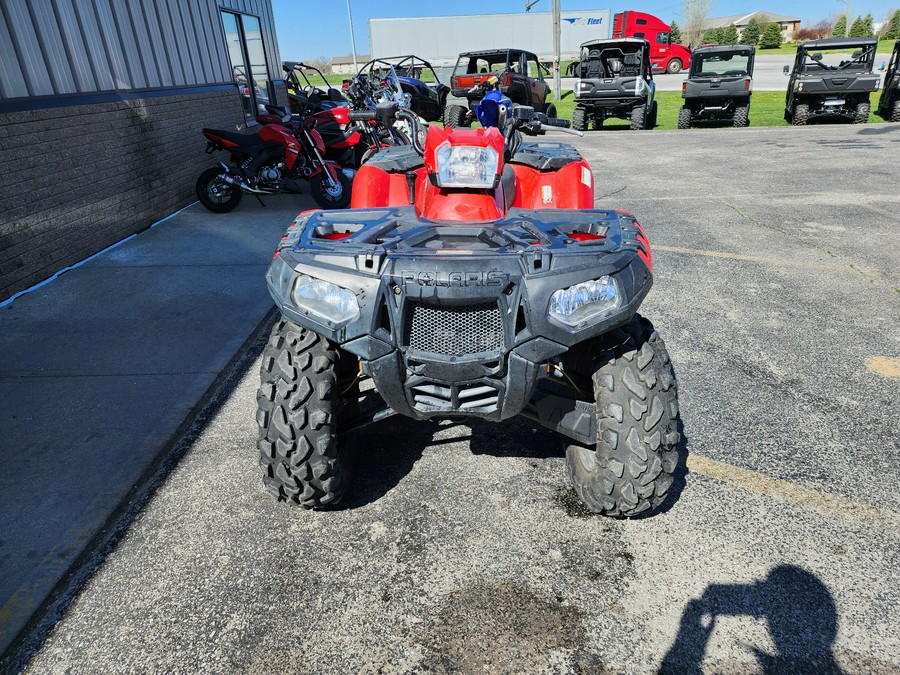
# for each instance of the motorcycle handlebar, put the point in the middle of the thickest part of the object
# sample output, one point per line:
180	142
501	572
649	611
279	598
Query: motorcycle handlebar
362	115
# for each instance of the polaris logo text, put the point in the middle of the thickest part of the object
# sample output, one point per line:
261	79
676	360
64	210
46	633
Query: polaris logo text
453	278
585	21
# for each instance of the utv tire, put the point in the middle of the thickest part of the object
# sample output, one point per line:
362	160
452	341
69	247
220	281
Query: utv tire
654	111
895	112
305	456
684	118
328	197
455	116
215	195
800	116
862	113
599	119
550	111
742	116
675	66
638	118
630	470
579	119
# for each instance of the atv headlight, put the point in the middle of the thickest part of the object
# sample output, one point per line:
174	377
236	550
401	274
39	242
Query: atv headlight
584	301
325	300
463	166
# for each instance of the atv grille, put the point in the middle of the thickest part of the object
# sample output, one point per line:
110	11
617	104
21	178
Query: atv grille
454	331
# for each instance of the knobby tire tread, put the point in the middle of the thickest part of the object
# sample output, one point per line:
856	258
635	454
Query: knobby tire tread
630	470
305	457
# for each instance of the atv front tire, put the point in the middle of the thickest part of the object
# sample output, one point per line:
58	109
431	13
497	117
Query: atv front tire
742	116
629	471
305	455
895	112
215	194
455	116
862	113
579	121
800	116
638	117
684	118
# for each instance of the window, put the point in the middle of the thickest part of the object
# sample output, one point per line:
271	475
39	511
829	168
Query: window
639	35
641	22
662	38
247	55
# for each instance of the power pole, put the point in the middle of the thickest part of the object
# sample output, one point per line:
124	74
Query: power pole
352	38
556	82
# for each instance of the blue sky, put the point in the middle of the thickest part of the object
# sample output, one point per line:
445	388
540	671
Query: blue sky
310	29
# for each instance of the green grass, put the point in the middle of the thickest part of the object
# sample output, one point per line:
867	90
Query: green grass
766	110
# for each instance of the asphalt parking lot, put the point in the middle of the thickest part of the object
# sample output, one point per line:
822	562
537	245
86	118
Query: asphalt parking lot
777	290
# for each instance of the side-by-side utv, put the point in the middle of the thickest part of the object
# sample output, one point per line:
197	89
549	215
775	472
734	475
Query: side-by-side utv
719	86
614	80
832	78
889	106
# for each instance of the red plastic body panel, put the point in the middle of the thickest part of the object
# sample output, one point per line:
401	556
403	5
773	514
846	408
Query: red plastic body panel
647	26
280	134
572	187
225	143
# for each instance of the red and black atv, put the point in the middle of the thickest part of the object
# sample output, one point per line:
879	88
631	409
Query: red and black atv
472	277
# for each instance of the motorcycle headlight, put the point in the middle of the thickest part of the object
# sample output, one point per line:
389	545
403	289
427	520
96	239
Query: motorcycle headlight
463	166
587	300
325	300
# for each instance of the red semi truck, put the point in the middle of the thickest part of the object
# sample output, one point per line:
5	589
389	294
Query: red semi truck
664	55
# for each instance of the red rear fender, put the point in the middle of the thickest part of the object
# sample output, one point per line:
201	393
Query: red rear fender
572	187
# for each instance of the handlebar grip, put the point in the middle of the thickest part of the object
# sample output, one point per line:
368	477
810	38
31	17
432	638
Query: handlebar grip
361	115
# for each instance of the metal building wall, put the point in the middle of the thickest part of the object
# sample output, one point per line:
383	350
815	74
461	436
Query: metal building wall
57	47
442	38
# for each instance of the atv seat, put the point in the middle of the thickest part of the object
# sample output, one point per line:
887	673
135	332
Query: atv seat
593	68
615	66
632	65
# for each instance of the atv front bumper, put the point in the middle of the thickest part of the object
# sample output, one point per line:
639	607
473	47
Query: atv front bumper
453	318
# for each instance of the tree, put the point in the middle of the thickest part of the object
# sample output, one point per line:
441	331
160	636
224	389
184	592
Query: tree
730	35
858	28
893	26
695	13
323	63
750	34
840	27
869	25
675	37
771	36
713	36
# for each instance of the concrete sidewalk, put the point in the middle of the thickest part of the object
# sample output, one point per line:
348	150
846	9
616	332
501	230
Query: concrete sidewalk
99	370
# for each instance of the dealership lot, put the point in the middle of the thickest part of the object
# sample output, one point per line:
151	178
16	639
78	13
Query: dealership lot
778	294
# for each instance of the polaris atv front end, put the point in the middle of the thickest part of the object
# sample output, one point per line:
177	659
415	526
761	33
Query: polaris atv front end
462	319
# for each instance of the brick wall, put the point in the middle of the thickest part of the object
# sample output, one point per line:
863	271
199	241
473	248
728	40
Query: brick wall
78	179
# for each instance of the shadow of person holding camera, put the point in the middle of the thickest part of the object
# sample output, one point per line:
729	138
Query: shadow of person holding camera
800	613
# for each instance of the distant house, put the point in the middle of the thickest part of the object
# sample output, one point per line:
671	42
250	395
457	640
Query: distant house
789	24
343	65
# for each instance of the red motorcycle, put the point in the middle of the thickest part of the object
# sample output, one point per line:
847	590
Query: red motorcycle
270	161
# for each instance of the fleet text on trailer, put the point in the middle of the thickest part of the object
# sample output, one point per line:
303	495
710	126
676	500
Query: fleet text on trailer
664	56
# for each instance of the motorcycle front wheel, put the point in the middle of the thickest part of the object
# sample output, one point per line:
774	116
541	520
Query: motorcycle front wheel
328	197
215	194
